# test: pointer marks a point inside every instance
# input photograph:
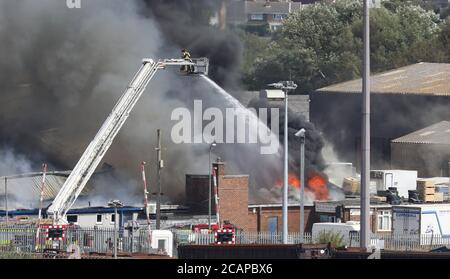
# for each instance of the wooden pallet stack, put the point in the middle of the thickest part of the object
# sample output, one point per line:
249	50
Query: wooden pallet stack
351	186
426	190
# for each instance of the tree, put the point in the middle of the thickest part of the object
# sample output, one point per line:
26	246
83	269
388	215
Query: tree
322	43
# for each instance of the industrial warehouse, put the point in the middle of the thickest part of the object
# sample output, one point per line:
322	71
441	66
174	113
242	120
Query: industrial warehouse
224	130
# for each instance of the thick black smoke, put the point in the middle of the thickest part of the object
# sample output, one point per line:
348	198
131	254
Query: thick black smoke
186	24
296	121
61	71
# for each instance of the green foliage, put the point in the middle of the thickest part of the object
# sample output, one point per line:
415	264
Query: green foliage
256	29
335	238
322	43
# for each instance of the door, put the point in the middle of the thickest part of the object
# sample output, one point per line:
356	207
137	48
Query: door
272	224
388	180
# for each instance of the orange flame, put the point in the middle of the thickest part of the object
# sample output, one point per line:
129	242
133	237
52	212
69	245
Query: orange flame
316	184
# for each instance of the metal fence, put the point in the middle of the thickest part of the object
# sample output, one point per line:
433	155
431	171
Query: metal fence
89	240
21	241
200	238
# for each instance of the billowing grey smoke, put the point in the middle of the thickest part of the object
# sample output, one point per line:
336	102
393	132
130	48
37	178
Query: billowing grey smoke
314	140
61	71
314	161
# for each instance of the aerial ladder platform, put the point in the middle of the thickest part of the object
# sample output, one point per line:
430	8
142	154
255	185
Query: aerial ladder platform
96	150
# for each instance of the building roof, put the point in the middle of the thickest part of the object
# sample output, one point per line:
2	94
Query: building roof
421	78
277	205
424	205
353	203
438	133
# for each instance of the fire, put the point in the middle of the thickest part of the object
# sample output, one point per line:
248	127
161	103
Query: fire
317	184
293	181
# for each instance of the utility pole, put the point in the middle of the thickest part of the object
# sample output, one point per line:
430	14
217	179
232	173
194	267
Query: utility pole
147	213
365	137
160	165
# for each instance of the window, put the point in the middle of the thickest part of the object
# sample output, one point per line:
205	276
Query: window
256	17
327	218
72	219
99	218
384	220
113	218
278	16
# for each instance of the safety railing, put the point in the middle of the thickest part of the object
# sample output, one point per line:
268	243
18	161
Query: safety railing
22	240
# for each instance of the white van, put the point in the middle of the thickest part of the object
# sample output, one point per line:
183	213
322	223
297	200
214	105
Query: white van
347	230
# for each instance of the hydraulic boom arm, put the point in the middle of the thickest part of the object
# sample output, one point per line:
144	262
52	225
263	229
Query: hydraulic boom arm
94	153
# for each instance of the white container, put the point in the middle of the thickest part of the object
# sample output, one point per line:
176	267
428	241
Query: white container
421	219
162	240
403	180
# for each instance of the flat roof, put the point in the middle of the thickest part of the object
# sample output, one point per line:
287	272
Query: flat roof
426	205
277	205
438	133
421	78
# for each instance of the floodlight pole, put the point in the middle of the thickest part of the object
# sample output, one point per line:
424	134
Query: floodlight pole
303	184
285	86
365	137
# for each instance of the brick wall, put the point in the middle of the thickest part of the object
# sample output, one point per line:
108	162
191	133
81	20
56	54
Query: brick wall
258	218
233	197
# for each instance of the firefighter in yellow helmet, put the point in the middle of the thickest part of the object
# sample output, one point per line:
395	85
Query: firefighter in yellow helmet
187	57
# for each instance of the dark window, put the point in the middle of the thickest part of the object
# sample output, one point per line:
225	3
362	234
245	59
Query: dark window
99	218
113	218
161	244
72	218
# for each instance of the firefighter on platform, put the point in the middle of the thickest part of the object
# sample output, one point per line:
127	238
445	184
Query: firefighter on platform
187	57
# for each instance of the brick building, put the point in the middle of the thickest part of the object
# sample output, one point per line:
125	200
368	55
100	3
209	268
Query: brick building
234	207
233	197
268	217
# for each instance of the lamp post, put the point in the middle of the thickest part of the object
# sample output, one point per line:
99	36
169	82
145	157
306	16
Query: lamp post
365	137
302	135
115	204
211	146
286	86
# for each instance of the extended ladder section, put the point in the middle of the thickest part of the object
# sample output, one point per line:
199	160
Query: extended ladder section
94	153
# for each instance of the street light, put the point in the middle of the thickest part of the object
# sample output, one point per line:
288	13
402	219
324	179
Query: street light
285	86
115	204
211	146
302	135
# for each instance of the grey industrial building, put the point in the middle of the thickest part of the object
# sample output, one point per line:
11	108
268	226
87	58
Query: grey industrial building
426	150
402	101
